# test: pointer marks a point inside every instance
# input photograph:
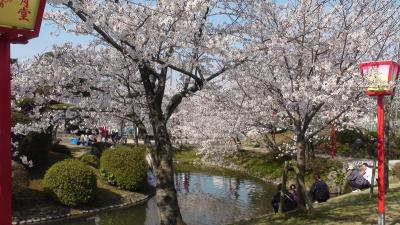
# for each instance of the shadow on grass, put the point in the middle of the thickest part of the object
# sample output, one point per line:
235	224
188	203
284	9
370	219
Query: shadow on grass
24	199
103	197
38	172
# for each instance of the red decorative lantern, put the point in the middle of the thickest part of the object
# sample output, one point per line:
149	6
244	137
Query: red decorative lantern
381	77
20	21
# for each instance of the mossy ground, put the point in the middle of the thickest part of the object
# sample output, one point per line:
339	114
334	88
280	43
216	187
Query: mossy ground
352	208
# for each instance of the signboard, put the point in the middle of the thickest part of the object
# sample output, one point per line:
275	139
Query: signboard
380	77
377	77
20	14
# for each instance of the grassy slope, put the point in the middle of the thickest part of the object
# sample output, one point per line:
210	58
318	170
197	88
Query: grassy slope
352	208
263	165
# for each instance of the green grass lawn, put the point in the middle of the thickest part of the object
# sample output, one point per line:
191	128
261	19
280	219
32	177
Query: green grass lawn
186	157
352	208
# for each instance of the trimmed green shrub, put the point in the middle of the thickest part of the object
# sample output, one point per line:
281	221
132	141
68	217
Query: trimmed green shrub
125	167
90	160
35	146
70	182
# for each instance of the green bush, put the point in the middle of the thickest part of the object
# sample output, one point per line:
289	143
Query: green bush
125	167
346	143
35	146
70	182
322	165
90	160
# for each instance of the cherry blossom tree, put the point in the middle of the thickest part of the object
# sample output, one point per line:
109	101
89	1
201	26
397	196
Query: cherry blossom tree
303	72
307	65
67	86
263	66
154	40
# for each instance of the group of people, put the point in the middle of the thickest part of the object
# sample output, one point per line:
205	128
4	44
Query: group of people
290	198
357	179
319	192
85	137
88	137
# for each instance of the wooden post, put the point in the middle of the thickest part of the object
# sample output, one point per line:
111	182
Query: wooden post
283	191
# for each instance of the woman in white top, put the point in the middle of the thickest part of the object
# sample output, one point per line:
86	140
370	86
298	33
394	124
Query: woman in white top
367	173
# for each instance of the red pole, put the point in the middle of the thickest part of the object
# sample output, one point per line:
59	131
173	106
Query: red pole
5	133
333	141
381	158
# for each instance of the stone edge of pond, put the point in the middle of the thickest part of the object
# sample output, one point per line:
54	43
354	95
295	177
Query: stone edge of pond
81	213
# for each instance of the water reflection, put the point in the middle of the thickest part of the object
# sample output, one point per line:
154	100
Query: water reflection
204	199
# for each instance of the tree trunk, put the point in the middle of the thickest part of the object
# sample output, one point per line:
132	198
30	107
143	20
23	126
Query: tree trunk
283	191
161	156
136	136
305	202
166	195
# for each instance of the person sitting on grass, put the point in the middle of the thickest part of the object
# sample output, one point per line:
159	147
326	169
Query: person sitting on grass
293	191
319	190
366	172
288	204
356	181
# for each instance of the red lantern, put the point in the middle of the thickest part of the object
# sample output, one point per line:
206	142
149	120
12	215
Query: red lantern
20	21
381	77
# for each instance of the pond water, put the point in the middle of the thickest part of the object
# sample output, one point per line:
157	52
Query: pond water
205	198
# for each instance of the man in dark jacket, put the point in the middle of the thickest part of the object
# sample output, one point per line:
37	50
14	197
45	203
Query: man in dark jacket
319	190
356	181
288	204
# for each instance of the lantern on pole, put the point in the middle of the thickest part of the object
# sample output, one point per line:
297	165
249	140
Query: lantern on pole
381	77
20	21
